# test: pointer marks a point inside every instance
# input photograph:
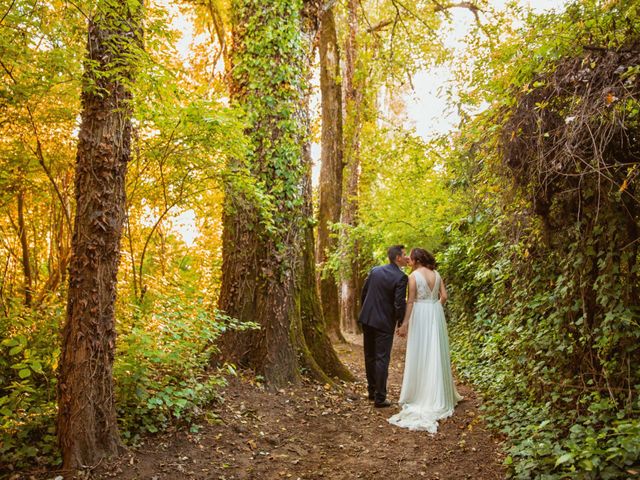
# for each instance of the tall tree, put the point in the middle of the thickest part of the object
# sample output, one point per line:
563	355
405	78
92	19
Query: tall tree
353	106
314	326
330	188
266	276
87	428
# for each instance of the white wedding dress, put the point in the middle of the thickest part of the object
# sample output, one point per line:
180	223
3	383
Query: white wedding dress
428	392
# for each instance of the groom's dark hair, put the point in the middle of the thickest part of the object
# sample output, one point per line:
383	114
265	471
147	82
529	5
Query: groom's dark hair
394	251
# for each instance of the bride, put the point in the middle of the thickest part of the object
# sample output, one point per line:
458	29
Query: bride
428	392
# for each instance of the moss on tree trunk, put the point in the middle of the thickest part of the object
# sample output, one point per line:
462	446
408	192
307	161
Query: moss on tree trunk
330	188
266	243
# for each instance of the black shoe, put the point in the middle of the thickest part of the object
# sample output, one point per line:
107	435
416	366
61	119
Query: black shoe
371	398
383	404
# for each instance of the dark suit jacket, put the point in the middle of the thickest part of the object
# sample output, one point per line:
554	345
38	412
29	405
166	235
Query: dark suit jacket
384	298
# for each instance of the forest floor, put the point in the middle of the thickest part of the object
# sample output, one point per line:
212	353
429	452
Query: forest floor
313	431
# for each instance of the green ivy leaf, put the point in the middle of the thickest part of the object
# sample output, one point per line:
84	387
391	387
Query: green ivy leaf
15	350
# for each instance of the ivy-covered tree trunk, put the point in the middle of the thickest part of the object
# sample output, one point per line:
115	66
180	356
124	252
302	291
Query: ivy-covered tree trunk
351	282
87	428
266	247
24	244
330	188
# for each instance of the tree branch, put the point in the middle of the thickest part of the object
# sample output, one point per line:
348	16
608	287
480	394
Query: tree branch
218	25
39	153
472	7
379	26
397	4
7	12
468	5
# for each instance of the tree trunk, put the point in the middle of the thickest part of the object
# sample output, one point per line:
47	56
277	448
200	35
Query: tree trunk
87	428
354	102
330	189
266	277
319	357
58	254
263	211
26	262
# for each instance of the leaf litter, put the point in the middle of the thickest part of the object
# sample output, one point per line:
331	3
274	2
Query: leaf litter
316	431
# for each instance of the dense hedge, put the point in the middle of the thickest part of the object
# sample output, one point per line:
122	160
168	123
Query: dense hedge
545	274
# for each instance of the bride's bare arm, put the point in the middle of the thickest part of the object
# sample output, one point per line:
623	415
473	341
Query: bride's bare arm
443	292
404	328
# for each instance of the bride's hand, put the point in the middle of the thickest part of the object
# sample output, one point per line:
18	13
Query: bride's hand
402	330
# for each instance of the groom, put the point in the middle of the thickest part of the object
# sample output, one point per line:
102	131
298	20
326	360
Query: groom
383	306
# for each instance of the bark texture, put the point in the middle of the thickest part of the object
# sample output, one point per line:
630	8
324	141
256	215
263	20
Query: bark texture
352	282
268	272
87	428
259	257
318	354
330	188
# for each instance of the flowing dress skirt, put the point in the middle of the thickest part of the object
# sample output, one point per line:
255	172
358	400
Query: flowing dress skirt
428	392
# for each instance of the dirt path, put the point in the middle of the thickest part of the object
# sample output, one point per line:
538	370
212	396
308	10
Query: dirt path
314	432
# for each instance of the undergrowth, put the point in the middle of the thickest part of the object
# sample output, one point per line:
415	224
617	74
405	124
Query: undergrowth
163	374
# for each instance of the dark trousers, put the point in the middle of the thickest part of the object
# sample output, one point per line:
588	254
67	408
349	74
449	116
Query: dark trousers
377	353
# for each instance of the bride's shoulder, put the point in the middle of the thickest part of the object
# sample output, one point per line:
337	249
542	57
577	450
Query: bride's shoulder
416	276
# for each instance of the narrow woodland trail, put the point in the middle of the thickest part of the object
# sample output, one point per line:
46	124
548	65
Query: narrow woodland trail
313	432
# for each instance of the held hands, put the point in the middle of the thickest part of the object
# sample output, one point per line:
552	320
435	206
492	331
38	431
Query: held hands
402	330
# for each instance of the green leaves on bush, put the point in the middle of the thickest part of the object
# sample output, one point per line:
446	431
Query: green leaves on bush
163	366
28	361
162	372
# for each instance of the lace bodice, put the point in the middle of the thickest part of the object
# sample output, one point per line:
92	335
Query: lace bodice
423	290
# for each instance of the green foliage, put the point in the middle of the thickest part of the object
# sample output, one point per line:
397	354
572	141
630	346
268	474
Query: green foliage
166	322
516	336
28	361
537	246
543	274
162	368
162	371
269	85
544	301
404	198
